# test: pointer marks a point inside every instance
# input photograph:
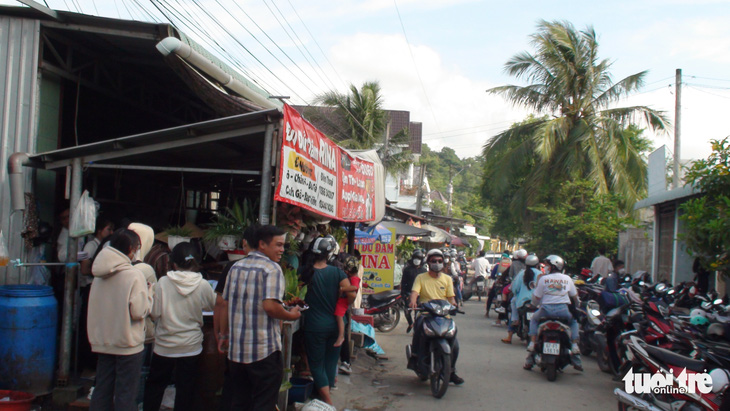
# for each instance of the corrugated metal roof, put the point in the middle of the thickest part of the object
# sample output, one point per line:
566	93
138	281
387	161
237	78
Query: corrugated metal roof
666	196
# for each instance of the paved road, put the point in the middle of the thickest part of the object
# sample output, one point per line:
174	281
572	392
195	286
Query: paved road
493	372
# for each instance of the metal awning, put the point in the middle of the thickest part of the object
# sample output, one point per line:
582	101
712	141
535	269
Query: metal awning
230	143
405	229
666	196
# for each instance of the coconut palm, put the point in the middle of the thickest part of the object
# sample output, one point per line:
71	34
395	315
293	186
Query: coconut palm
581	135
367	124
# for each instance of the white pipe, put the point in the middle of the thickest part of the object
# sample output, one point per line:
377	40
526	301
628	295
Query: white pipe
16	161
174	45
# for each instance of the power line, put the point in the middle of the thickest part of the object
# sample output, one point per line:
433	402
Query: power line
415	66
707	92
710	78
708	86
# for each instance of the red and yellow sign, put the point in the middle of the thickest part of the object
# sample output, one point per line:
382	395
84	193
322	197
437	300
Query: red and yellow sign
378	262
318	175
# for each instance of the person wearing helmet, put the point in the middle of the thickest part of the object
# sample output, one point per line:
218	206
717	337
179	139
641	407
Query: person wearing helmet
432	285
498	272
522	287
454	270
554	292
414	267
321	334
518	263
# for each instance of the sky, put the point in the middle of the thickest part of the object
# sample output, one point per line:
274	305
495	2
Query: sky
437	58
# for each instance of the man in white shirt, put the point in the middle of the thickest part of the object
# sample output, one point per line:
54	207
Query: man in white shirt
554	292
601	265
480	265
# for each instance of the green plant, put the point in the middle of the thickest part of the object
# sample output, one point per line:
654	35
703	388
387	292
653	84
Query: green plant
404	250
293	289
233	221
179	231
707	218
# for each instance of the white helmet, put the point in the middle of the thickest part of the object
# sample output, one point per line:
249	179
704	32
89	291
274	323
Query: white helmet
432	252
521	254
720	379
555	261
697	313
532	260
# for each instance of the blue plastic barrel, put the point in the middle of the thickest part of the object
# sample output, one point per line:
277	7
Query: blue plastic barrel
28	323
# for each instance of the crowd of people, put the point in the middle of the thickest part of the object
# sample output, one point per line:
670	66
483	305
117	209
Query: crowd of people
135	316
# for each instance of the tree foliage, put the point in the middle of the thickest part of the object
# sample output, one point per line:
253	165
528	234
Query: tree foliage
707	218
576	134
367	123
577	225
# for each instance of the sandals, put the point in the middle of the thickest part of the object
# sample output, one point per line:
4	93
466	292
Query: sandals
506	340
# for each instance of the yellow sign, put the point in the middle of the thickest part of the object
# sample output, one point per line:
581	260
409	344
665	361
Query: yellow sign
378	262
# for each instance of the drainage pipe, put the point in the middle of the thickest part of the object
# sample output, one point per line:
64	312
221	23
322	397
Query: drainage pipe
175	45
16	161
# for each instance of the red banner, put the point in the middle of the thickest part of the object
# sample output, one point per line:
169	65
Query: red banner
317	175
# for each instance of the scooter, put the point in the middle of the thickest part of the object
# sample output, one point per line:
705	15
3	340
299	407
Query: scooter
525	314
438	333
475	286
385	308
552	349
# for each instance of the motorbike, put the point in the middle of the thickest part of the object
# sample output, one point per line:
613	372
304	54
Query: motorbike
589	317
653	360
476	286
525	314
552	349
385	307
439	332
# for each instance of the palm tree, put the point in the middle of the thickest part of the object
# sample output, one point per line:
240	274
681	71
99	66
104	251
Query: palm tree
367	124
580	136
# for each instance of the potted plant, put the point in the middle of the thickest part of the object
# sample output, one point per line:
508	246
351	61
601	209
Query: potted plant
228	227
177	235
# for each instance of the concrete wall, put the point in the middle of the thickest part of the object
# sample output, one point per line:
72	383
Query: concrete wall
19	40
636	249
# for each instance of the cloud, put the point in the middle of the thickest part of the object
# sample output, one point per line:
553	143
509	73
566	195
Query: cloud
455	110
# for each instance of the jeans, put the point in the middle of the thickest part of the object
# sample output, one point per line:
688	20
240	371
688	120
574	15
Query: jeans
256	385
557	311
117	380
161	374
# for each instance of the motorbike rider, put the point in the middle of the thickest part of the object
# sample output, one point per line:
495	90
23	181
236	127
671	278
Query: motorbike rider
432	285
518	263
498	273
480	265
415	266
455	272
522	287
554	292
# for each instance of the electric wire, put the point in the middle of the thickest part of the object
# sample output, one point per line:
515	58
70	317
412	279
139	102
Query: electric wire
272	40
216	21
415	66
708	86
709	78
707	92
323	76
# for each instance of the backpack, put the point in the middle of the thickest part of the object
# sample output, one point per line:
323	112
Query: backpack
609	300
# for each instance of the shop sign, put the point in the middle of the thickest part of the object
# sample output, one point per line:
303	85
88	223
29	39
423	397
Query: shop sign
378	261
318	175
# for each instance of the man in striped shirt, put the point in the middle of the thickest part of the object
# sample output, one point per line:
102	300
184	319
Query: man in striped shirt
254	291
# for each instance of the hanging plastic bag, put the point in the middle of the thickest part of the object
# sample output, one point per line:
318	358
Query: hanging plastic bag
4	256
83	221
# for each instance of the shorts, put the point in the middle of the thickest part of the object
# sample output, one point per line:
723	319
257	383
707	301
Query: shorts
341	307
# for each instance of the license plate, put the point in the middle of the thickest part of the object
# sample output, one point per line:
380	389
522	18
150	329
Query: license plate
529	315
551	348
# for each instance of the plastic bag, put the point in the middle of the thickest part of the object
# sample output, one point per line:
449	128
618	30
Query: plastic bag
317	405
4	256
83	221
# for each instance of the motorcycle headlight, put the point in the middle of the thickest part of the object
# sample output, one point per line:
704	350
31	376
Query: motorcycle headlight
595	312
428	331
452	331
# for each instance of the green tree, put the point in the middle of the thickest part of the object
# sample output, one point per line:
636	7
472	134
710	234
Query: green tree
581	136
707	218
578	224
367	123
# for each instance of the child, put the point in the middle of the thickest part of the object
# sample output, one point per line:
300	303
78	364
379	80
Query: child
180	299
351	267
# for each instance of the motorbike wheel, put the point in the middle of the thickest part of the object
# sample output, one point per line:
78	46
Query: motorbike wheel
388	320
585	347
441	376
602	354
552	372
468	291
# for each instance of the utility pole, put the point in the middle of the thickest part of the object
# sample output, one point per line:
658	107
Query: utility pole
677	129
419	195
451	191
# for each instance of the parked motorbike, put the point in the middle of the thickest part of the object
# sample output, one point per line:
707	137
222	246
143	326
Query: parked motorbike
385	308
476	286
650	359
439	332
552	349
